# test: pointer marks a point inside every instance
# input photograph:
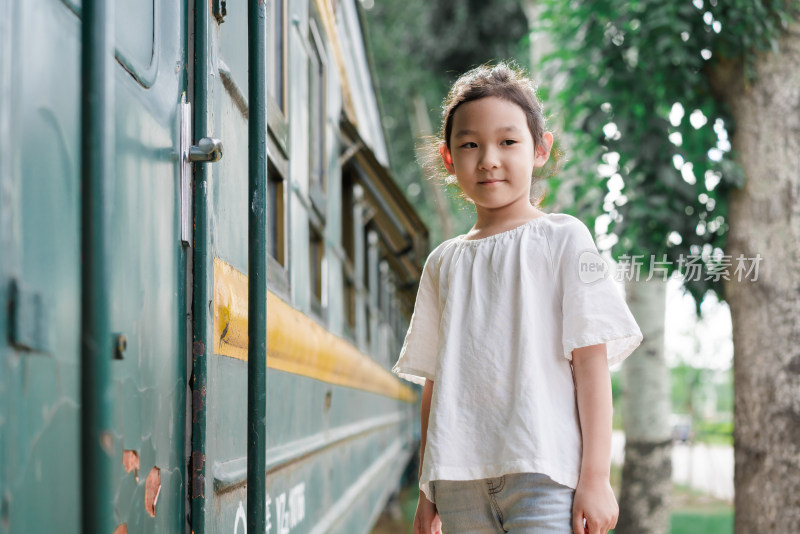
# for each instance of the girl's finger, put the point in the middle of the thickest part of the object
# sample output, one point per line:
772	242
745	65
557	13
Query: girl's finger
577	523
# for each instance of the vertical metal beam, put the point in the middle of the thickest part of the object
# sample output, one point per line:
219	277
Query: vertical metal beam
201	272
96	400
257	269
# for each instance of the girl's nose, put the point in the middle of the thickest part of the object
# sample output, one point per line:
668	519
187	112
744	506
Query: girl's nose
488	159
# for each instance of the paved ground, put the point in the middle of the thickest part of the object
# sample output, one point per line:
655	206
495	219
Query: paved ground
706	468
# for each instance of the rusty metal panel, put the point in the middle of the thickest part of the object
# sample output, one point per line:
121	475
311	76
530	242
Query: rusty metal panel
39	272
330	448
334	453
39	409
7	246
148	272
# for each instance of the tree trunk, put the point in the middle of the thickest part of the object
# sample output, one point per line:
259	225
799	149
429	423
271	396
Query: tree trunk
764	219
647	470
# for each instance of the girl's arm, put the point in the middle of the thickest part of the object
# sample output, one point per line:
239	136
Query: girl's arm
427	393
594	498
426	520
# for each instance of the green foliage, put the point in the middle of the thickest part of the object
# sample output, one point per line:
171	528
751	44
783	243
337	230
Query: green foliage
467	33
719	521
684	381
714	432
725	394
690	387
628	62
418	48
753	26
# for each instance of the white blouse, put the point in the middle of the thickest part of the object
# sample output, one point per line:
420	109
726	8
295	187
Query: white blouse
494	326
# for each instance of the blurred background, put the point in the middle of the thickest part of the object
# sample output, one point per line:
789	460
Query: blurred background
672	123
168	167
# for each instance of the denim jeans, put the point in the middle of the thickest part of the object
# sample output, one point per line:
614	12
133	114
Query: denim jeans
519	503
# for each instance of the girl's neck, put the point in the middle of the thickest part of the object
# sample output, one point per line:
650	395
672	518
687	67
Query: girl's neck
494	221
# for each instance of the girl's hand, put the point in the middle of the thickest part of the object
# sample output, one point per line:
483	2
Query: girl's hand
426	520
595	502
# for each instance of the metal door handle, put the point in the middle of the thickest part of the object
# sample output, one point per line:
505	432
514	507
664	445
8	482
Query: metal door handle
207	149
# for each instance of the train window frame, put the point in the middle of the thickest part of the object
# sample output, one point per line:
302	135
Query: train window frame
278	218
317	175
317	265
142	68
278	105
371	282
349	236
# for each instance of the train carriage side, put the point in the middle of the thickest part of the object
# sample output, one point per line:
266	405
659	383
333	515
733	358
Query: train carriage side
41	204
345	251
344	255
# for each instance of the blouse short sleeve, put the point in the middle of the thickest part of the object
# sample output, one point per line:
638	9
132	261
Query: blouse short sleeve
417	360
594	310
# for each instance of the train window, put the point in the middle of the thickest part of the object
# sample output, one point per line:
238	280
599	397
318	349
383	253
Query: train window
316	270
383	290
348	245
348	213
371	282
276	53
278	253
316	117
277	77
275	211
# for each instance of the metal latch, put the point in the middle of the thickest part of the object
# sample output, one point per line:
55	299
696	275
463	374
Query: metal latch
207	150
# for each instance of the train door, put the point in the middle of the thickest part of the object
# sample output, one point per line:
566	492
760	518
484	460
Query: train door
218	460
337	418
145	269
148	265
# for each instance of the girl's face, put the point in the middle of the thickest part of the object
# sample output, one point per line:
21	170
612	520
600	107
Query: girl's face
492	154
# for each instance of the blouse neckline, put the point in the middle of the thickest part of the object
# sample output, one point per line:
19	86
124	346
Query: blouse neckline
499	235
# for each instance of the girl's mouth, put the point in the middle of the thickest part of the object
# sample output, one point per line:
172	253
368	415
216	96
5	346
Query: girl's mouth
490	182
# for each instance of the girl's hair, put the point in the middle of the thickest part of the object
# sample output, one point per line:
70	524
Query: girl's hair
503	80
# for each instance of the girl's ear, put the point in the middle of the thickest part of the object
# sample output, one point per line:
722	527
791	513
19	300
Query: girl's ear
543	151
447	158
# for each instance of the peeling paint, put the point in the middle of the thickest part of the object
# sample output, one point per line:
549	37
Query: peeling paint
198	402
121	529
198	460
198	478
152	487
198	486
130	461
106	441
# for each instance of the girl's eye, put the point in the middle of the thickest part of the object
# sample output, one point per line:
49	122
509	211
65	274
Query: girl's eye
469	144
508	142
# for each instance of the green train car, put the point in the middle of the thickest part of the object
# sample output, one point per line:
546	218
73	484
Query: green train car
126	240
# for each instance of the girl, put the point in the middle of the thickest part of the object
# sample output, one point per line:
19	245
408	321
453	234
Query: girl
513	330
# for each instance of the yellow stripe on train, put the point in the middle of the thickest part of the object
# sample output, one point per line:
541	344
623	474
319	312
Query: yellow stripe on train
295	343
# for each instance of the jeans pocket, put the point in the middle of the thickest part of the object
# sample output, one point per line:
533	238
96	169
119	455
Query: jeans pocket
432	487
